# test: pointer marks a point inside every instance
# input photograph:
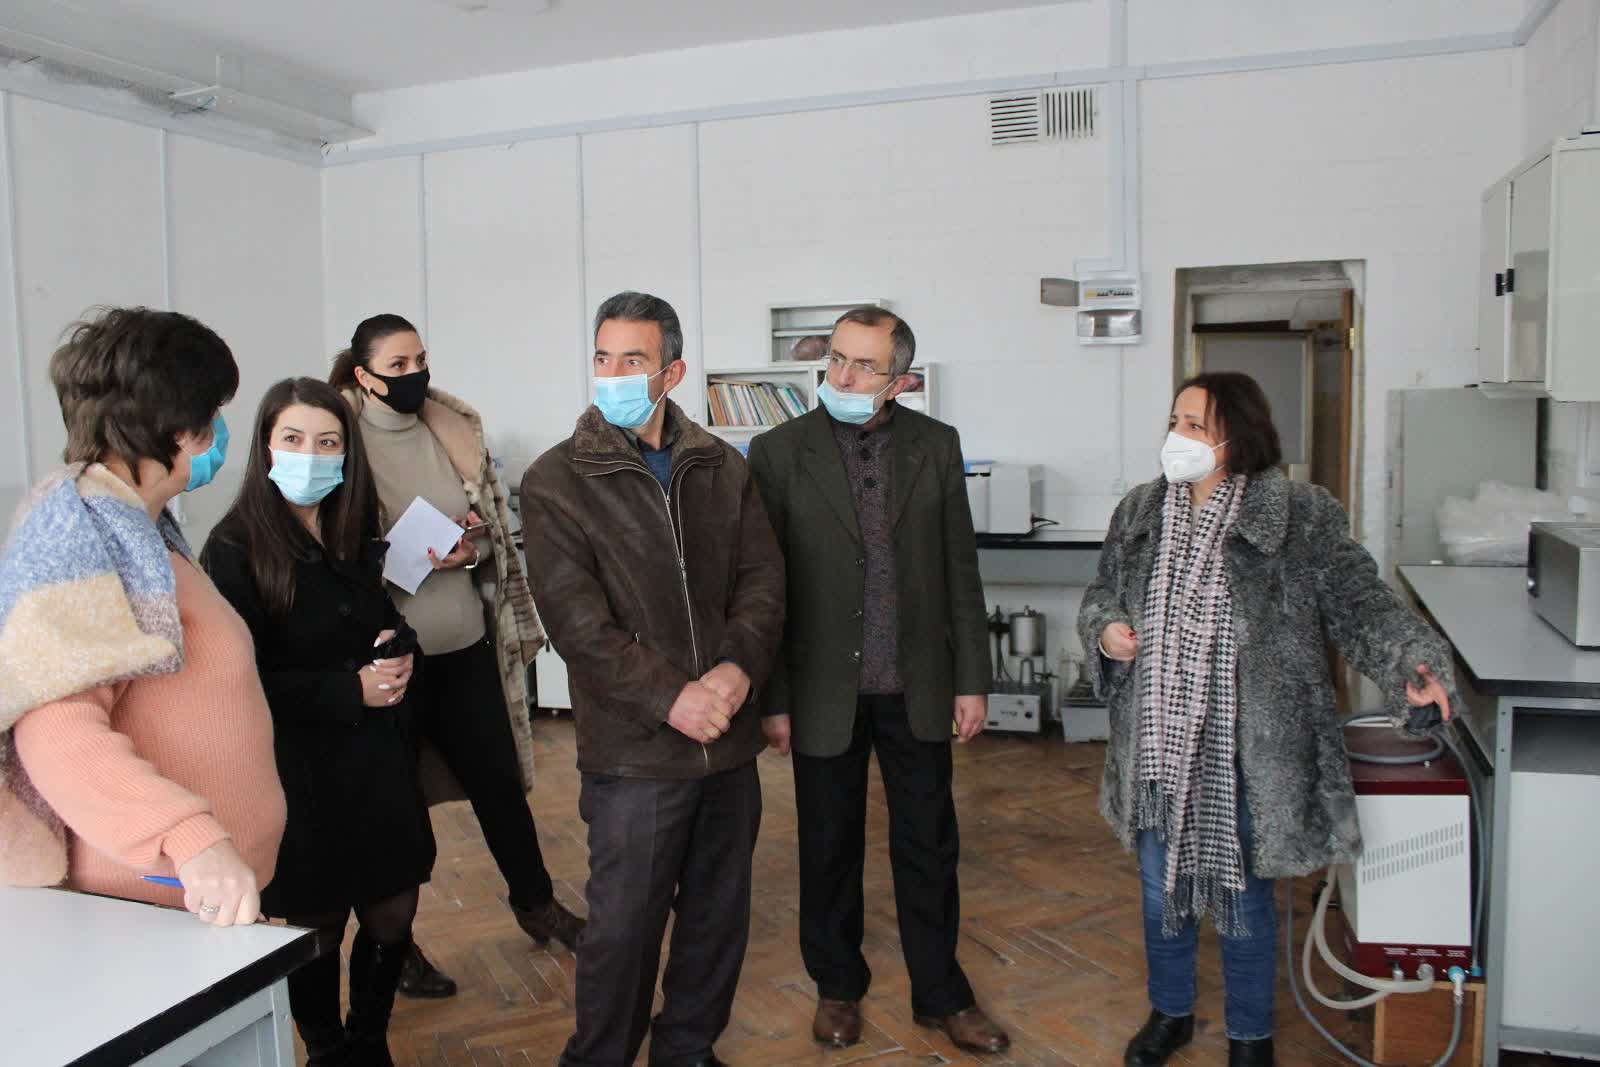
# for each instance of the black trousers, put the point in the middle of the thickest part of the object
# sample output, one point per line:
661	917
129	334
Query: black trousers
831	803
658	845
462	710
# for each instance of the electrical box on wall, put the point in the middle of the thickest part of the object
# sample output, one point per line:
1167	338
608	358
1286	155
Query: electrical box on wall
1108	310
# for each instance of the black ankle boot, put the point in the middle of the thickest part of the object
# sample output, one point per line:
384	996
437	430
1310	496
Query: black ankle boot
374	975
1159	1037
420	978
314	1004
1250	1053
325	1046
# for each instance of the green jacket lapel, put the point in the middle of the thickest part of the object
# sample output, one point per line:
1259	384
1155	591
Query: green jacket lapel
825	466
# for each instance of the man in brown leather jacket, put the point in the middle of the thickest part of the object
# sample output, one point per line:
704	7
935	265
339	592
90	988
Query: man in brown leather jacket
660	584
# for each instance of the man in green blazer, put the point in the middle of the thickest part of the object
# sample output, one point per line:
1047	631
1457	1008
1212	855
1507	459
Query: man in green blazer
885	646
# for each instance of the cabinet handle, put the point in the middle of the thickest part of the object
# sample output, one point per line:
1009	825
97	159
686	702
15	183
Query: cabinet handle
1499	284
1511	279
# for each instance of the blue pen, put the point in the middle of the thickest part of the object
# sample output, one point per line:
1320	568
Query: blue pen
162	880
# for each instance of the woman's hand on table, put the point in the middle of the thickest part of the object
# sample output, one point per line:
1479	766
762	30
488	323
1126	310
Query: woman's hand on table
220	887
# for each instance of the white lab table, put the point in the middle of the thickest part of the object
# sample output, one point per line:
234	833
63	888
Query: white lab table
93	981
1531	710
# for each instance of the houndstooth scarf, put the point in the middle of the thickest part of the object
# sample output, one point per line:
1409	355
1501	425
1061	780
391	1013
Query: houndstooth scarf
1188	706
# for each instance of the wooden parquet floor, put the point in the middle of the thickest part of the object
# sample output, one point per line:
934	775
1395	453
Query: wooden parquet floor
1051	933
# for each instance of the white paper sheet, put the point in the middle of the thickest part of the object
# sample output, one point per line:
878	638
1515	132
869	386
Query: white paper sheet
422	527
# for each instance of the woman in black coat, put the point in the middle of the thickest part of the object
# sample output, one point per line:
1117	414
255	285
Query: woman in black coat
298	558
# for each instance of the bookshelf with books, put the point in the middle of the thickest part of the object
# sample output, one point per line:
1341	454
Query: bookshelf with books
744	401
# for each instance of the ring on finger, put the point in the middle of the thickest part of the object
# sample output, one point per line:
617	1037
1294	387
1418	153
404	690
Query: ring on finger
210	909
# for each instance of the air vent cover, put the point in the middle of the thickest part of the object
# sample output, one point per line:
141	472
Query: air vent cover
1048	115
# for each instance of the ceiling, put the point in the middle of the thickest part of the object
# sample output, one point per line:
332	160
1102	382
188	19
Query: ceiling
361	45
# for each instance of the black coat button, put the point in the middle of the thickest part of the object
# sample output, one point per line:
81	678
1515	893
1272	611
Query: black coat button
856	614
861	561
856	656
870	483
344	609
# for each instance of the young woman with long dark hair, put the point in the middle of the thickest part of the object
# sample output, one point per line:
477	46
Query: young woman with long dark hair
299	559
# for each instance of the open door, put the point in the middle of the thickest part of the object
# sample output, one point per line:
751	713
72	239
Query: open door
1347	334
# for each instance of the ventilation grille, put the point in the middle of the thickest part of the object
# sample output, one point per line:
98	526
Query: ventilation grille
1051	115
1413	853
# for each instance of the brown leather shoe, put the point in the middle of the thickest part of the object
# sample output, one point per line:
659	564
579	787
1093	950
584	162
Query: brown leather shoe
970	1030
838	1022
551	921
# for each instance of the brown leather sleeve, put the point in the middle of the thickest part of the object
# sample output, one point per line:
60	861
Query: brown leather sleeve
755	612
604	660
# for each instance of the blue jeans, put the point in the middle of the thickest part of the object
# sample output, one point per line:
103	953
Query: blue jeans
1249	963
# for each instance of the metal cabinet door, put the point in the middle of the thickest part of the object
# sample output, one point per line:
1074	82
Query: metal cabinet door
1530	264
1493	321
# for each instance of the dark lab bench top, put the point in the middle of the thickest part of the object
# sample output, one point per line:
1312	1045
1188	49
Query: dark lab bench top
1507	649
1050	556
1048	538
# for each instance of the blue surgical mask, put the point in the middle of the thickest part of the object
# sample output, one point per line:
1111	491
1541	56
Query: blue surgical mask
852	408
204	467
625	401
306	479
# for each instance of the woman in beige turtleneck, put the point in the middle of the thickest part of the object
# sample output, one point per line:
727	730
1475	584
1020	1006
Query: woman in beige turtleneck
422	442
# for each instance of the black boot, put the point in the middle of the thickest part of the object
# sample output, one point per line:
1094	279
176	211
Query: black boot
314	1003
1159	1037
1250	1053
374	976
325	1047
420	978
551	920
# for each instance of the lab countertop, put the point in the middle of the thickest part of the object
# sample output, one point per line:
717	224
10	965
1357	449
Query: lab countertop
1047	538
1507	649
91	980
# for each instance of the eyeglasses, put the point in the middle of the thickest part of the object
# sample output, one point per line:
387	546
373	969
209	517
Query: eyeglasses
860	366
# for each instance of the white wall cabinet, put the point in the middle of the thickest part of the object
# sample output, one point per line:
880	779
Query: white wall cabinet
1539	285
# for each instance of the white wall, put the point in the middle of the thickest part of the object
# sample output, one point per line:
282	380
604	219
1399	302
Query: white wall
504	289
108	212
909	202
1559	68
1382	162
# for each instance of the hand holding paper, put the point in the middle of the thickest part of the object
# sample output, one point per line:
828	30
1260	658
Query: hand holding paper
421	530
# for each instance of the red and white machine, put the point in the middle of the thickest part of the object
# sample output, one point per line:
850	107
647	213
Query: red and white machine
1408	900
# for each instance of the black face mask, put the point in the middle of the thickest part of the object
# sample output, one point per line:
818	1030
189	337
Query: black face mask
406	392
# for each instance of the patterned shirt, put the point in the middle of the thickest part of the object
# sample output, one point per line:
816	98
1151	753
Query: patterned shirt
869	467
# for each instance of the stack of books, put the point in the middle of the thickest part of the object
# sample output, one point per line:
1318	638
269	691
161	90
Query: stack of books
735	402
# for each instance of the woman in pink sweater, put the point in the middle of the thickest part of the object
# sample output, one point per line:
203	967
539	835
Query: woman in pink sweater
134	733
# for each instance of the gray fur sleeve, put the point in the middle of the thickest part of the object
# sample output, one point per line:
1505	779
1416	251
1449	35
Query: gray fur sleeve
1374	630
1102	605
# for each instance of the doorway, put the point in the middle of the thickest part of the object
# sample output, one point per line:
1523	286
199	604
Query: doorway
1295	328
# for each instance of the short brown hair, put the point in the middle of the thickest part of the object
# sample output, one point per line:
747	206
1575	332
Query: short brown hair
903	343
1244	419
129	380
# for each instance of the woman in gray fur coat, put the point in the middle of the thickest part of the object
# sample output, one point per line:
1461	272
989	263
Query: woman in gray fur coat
1220	585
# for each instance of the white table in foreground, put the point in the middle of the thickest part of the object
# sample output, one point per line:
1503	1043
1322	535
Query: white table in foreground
94	981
